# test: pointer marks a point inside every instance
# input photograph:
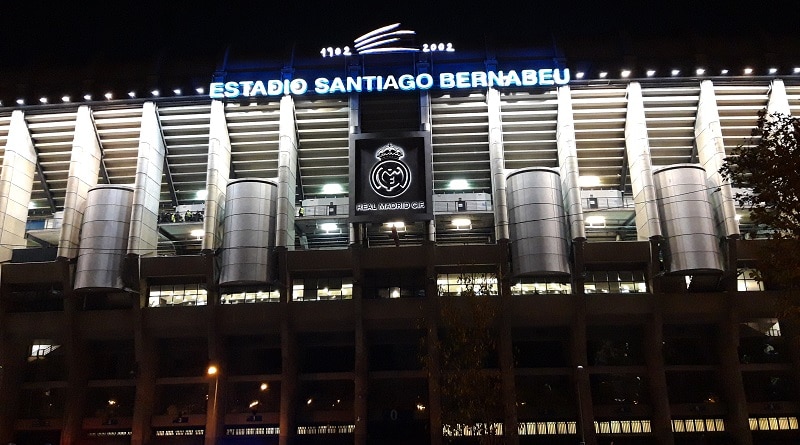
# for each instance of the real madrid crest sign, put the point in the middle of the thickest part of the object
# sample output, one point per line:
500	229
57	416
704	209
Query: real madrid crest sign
390	176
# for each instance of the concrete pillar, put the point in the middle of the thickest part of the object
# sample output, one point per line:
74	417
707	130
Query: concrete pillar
354	127
146	372
287	420
287	175
433	362
711	154
219	170
661	422
736	423
778	101
568	164
425	125
497	164
16	185
505	349
12	367
637	146
77	374
361	375
583	389
84	168
143	238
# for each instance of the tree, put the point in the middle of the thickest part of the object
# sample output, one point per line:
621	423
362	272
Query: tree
766	168
466	343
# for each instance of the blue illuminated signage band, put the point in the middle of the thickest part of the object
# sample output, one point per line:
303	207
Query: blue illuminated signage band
405	82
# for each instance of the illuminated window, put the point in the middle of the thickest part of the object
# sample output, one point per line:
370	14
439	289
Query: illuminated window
747	280
546	428
622	427
773	423
253	431
266	295
178	295
698	425
453	284
322	289
538	286
622	282
326	429
40	348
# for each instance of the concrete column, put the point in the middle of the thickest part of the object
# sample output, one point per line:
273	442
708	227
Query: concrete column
84	168
143	238
425	125
12	368
583	389
497	164
433	363
288	410
146	372
711	154
16	185
778	101
505	349
736	423
287	175
77	374
657	380
219	170
361	375
637	146
568	164
354	127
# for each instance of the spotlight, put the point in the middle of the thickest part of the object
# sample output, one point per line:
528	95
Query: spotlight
651	73
65	99
20	101
773	70
625	73
132	94
700	71
155	93
43	100
200	90
87	97
603	74
108	96
748	71
177	91
796	70
724	72
579	75
675	72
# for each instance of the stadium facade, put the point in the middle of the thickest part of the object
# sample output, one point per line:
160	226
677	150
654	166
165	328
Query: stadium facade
264	261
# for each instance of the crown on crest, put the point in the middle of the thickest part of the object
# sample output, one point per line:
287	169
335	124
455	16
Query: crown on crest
390	151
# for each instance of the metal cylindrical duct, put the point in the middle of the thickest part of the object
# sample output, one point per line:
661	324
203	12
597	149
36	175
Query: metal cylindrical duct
104	237
687	220
248	232
538	229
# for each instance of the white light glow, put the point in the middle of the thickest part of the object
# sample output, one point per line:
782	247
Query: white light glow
462	222
177	91
201	195
197	233
748	71
579	75
132	94
395	224
332	189
155	93
773	70
108	96
20	101
200	90
603	74
675	72
43	100
724	72
738	217
458	184
588	181
31	205
796	70
596	221
328	227
700	71
625	73
651	73
87	97
65	99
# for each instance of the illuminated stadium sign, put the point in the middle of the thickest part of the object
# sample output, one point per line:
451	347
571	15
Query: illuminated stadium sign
404	82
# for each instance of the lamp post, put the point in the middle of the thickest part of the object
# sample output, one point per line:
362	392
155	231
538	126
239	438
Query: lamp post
580	404
212	422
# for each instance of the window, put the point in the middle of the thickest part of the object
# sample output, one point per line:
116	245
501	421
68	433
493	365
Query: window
748	280
265	295
622	282
41	348
537	286
455	284
322	289
394	283
178	295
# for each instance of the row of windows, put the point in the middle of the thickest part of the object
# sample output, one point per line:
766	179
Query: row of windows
341	288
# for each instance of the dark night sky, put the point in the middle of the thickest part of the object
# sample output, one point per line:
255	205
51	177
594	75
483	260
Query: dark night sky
45	36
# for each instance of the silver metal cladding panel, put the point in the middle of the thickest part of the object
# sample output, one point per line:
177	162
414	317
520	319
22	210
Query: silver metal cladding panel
687	220
248	231
104	238
538	226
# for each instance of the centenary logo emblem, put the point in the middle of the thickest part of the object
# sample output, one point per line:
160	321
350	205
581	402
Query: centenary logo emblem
390	177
